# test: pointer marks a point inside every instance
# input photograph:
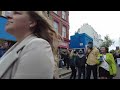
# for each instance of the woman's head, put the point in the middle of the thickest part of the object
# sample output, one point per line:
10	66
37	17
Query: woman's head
104	50
21	23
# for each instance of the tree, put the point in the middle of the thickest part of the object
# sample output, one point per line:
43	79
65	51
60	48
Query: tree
107	42
112	51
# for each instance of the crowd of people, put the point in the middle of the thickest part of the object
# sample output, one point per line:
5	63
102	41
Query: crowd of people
99	62
3	48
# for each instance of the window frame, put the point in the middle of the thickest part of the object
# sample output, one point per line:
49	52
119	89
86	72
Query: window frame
57	23
64	31
64	16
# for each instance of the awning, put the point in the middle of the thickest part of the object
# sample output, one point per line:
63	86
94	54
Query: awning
3	34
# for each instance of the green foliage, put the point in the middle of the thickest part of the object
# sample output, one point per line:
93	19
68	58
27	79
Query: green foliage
112	51
107	42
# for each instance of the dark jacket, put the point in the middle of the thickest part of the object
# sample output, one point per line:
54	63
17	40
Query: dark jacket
80	61
65	56
2	51
116	56
73	60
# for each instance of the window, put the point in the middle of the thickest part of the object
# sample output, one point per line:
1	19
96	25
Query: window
55	24
56	12
64	31
64	15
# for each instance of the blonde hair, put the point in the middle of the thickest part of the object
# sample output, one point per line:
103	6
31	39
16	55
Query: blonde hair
44	29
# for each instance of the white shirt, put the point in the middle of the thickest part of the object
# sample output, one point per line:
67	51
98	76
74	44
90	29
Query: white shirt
104	64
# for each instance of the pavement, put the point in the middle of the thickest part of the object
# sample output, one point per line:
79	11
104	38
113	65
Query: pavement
118	73
63	72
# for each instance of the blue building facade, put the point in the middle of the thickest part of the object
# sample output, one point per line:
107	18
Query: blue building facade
3	34
79	41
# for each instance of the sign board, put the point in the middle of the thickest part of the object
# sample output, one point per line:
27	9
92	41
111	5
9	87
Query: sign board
81	44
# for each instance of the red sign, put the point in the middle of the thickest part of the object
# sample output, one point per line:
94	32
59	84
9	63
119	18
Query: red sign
63	44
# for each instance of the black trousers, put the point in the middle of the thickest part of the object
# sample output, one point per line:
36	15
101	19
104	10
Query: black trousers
65	62
68	63
81	70
93	69
73	75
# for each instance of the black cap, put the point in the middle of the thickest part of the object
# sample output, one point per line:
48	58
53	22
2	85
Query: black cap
90	45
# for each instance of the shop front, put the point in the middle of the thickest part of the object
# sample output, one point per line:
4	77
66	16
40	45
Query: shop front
63	46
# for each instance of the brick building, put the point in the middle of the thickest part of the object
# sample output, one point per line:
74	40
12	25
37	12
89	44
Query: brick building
61	25
60	22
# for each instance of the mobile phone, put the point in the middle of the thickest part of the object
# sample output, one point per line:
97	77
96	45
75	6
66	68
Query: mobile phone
101	58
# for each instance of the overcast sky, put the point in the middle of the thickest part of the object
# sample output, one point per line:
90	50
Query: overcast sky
103	22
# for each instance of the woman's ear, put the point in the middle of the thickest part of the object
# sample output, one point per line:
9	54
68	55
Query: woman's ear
32	23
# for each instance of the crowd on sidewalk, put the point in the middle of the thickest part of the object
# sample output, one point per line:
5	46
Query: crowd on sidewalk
100	62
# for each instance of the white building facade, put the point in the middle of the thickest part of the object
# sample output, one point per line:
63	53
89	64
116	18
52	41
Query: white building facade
119	41
86	28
